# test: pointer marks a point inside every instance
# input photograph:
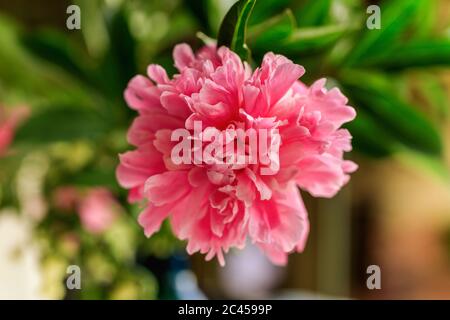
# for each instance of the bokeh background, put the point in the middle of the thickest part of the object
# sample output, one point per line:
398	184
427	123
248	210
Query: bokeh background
60	205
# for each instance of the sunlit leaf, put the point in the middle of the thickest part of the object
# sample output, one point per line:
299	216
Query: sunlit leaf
93	27
308	40
434	165
313	13
265	9
425	19
274	30
395	18
435	94
423	53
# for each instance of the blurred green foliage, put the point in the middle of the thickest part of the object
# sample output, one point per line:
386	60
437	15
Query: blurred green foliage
328	37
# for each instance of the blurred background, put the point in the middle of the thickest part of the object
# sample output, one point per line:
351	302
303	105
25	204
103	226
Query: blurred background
63	122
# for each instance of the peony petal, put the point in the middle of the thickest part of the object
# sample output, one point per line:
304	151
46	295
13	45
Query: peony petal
175	105
152	218
331	104
280	221
167	187
275	255
322	176
144	127
183	56
157	74
142	95
282	79
136	166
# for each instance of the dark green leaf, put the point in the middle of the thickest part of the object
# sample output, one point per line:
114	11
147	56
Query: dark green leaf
206	13
399	119
119	64
233	28
55	47
369	138
61	124
96	176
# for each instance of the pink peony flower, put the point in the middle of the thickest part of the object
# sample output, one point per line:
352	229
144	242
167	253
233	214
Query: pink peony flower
98	210
8	123
216	205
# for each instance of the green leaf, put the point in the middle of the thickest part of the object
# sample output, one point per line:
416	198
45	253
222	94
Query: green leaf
94	177
93	27
119	64
395	18
369	138
399	119
233	28
65	123
55	47
313	13
425	18
421	53
265	9
205	12
309	40
274	30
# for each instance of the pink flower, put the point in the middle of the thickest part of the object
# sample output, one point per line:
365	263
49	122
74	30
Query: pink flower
65	198
98	210
215	205
8	123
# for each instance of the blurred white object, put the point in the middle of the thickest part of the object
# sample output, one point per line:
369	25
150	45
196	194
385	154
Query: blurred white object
248	274
299	294
20	274
186	286
29	185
